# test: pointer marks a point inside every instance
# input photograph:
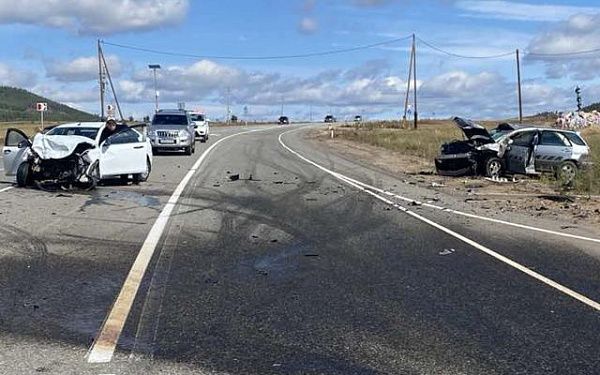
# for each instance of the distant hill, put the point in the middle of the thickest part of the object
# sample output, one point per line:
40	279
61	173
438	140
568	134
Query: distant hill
19	105
592	107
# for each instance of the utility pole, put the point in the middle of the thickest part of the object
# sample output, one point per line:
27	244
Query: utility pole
415	77
281	105
228	110
410	67
519	87
154	68
310	113
112	87
101	81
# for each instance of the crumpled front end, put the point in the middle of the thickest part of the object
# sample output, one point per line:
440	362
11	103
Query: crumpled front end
59	146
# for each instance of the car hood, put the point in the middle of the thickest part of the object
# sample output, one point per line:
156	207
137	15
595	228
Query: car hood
473	131
57	146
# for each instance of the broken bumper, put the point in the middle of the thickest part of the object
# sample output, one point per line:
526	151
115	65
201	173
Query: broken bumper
455	165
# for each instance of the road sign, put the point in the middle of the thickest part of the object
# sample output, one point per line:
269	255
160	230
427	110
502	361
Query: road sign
41	107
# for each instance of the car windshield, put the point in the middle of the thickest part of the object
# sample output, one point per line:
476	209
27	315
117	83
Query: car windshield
84	132
170	120
197	117
497	134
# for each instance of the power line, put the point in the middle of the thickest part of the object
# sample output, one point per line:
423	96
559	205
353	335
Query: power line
465	56
558	54
276	57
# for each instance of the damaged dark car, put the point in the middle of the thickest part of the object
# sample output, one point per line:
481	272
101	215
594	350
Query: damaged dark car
513	149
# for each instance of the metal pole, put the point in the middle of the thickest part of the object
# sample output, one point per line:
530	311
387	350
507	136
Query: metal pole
155	92
519	87
415	77
101	81
42	118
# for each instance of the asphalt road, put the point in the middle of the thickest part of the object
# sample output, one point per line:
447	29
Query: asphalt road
288	269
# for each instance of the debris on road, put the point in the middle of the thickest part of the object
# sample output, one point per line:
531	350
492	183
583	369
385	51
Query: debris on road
234	177
447	252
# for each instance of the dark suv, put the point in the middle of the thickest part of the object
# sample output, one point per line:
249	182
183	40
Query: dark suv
172	130
284	120
329	118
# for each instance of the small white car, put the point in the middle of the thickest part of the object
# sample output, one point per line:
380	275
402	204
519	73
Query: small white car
127	152
200	125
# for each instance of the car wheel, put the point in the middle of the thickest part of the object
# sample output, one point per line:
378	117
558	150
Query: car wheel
566	172
23	175
124	179
493	167
143	177
188	150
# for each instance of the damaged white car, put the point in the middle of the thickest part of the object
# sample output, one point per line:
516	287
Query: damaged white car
513	149
73	155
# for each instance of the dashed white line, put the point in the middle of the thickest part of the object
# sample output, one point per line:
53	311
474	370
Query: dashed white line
571	293
104	346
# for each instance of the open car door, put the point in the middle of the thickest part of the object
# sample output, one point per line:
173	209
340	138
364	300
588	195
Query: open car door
123	153
15	149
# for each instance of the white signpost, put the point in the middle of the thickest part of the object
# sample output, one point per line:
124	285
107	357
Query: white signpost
41	108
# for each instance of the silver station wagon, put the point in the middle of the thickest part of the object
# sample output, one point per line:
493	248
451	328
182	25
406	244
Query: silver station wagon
522	150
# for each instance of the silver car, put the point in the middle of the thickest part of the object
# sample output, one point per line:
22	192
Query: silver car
172	130
513	149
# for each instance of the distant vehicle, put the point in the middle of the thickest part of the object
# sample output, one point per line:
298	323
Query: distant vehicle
524	150
358	118
283	120
172	130
330	118
73	155
201	127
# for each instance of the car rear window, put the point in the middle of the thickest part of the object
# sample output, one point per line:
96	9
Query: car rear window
574	138
84	132
197	117
169	120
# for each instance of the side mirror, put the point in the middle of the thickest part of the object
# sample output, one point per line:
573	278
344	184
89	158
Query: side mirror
510	141
23	144
107	142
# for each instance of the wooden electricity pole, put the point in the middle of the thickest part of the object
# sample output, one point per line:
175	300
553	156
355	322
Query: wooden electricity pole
414	59
410	64
519	87
101	81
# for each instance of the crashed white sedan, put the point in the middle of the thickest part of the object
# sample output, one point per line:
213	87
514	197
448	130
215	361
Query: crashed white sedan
75	153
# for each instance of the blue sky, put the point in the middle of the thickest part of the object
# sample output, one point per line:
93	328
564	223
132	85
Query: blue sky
49	47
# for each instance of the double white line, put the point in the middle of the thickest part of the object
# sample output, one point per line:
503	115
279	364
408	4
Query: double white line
375	192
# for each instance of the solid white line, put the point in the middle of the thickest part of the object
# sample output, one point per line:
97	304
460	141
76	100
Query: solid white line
497	221
581	298
105	344
6	189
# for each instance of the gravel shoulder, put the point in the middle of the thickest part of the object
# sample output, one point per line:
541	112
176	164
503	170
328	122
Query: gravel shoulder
525	196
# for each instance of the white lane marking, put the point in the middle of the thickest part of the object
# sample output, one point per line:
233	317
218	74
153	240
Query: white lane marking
6	189
581	298
456	212
105	344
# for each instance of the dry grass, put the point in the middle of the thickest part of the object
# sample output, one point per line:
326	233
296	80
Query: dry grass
425	143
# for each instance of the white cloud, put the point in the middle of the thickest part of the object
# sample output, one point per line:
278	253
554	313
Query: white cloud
81	68
9	76
308	25
93	16
580	32
501	9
